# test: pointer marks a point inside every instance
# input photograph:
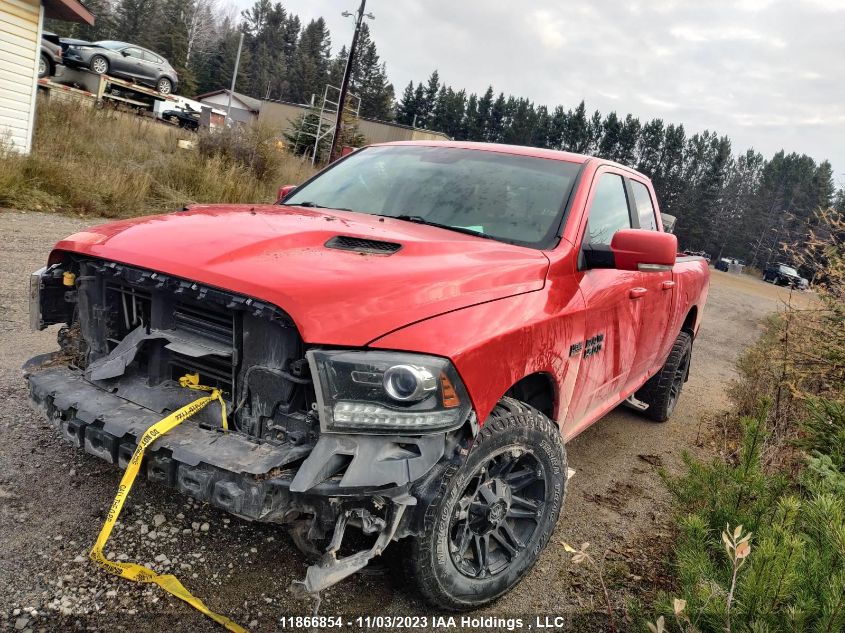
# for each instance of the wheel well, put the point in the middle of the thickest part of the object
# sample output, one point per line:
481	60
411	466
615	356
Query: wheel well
689	322
537	390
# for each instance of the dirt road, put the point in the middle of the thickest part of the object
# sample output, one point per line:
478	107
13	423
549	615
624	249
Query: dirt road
53	497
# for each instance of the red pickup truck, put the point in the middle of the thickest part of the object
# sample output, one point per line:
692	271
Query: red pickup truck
404	342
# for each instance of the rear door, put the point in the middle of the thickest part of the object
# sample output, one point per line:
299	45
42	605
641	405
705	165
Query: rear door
657	300
612	306
153	66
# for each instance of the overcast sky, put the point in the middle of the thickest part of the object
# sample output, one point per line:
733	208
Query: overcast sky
768	73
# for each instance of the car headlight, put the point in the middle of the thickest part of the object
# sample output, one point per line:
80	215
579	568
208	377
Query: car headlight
387	392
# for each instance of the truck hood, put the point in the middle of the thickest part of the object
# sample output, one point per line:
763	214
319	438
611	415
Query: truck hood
341	297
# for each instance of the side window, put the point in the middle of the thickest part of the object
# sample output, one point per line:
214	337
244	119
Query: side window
133	52
645	207
608	210
151	58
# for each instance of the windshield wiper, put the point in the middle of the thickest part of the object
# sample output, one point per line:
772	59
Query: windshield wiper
307	203
418	219
311	205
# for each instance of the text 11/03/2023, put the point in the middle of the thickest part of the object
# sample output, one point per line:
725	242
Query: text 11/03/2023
444	622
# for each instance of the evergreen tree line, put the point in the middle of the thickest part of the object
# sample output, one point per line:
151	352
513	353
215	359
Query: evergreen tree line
737	205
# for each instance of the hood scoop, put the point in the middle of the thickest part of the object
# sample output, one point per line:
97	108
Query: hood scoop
362	245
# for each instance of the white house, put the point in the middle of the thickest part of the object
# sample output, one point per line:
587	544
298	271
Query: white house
21	22
244	109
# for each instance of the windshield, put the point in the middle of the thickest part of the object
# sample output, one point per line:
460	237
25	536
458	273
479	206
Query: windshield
787	270
111	44
516	199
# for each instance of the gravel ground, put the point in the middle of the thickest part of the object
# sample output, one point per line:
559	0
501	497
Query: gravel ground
53	499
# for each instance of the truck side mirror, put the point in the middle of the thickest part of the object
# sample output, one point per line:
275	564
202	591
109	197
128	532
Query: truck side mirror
638	249
284	191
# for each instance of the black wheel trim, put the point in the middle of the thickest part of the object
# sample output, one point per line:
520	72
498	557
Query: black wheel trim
678	379
498	513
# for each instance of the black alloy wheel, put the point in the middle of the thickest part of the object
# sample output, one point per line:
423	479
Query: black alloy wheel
498	513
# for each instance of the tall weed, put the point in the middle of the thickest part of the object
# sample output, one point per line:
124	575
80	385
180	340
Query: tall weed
113	164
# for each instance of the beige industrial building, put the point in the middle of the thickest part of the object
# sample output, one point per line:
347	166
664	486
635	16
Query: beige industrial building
281	114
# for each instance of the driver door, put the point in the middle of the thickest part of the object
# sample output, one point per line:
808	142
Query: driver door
129	62
611	299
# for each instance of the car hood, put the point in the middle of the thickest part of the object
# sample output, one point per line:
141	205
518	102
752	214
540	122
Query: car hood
278	254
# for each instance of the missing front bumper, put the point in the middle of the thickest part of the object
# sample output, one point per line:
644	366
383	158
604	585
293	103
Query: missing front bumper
251	479
294	485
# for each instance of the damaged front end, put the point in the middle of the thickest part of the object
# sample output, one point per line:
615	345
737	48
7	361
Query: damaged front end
321	439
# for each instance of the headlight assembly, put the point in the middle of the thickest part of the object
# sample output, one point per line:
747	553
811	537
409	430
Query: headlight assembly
387	392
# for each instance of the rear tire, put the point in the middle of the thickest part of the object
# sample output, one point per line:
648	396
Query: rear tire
44	67
164	86
492	516
663	390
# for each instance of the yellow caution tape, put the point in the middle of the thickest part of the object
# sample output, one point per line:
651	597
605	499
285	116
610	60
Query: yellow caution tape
133	571
192	381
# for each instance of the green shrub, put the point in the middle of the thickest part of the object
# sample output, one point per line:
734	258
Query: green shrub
721	492
824	430
794	578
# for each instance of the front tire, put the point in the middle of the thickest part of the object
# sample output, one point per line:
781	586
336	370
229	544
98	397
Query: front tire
99	65
492	516
663	390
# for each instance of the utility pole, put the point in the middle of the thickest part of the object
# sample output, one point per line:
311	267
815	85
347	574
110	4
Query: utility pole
235	77
347	72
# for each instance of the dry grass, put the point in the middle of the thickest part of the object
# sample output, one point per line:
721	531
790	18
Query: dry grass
112	164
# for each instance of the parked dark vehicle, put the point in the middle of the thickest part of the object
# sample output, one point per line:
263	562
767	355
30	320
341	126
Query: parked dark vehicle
188	119
124	60
51	55
724	263
782	275
702	254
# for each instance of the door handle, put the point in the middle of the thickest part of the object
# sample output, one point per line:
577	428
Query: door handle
636	293
667	285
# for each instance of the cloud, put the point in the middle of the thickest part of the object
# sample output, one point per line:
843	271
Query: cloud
549	29
767	73
697	34
657	103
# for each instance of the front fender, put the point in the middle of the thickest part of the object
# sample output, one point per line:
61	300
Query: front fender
493	345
